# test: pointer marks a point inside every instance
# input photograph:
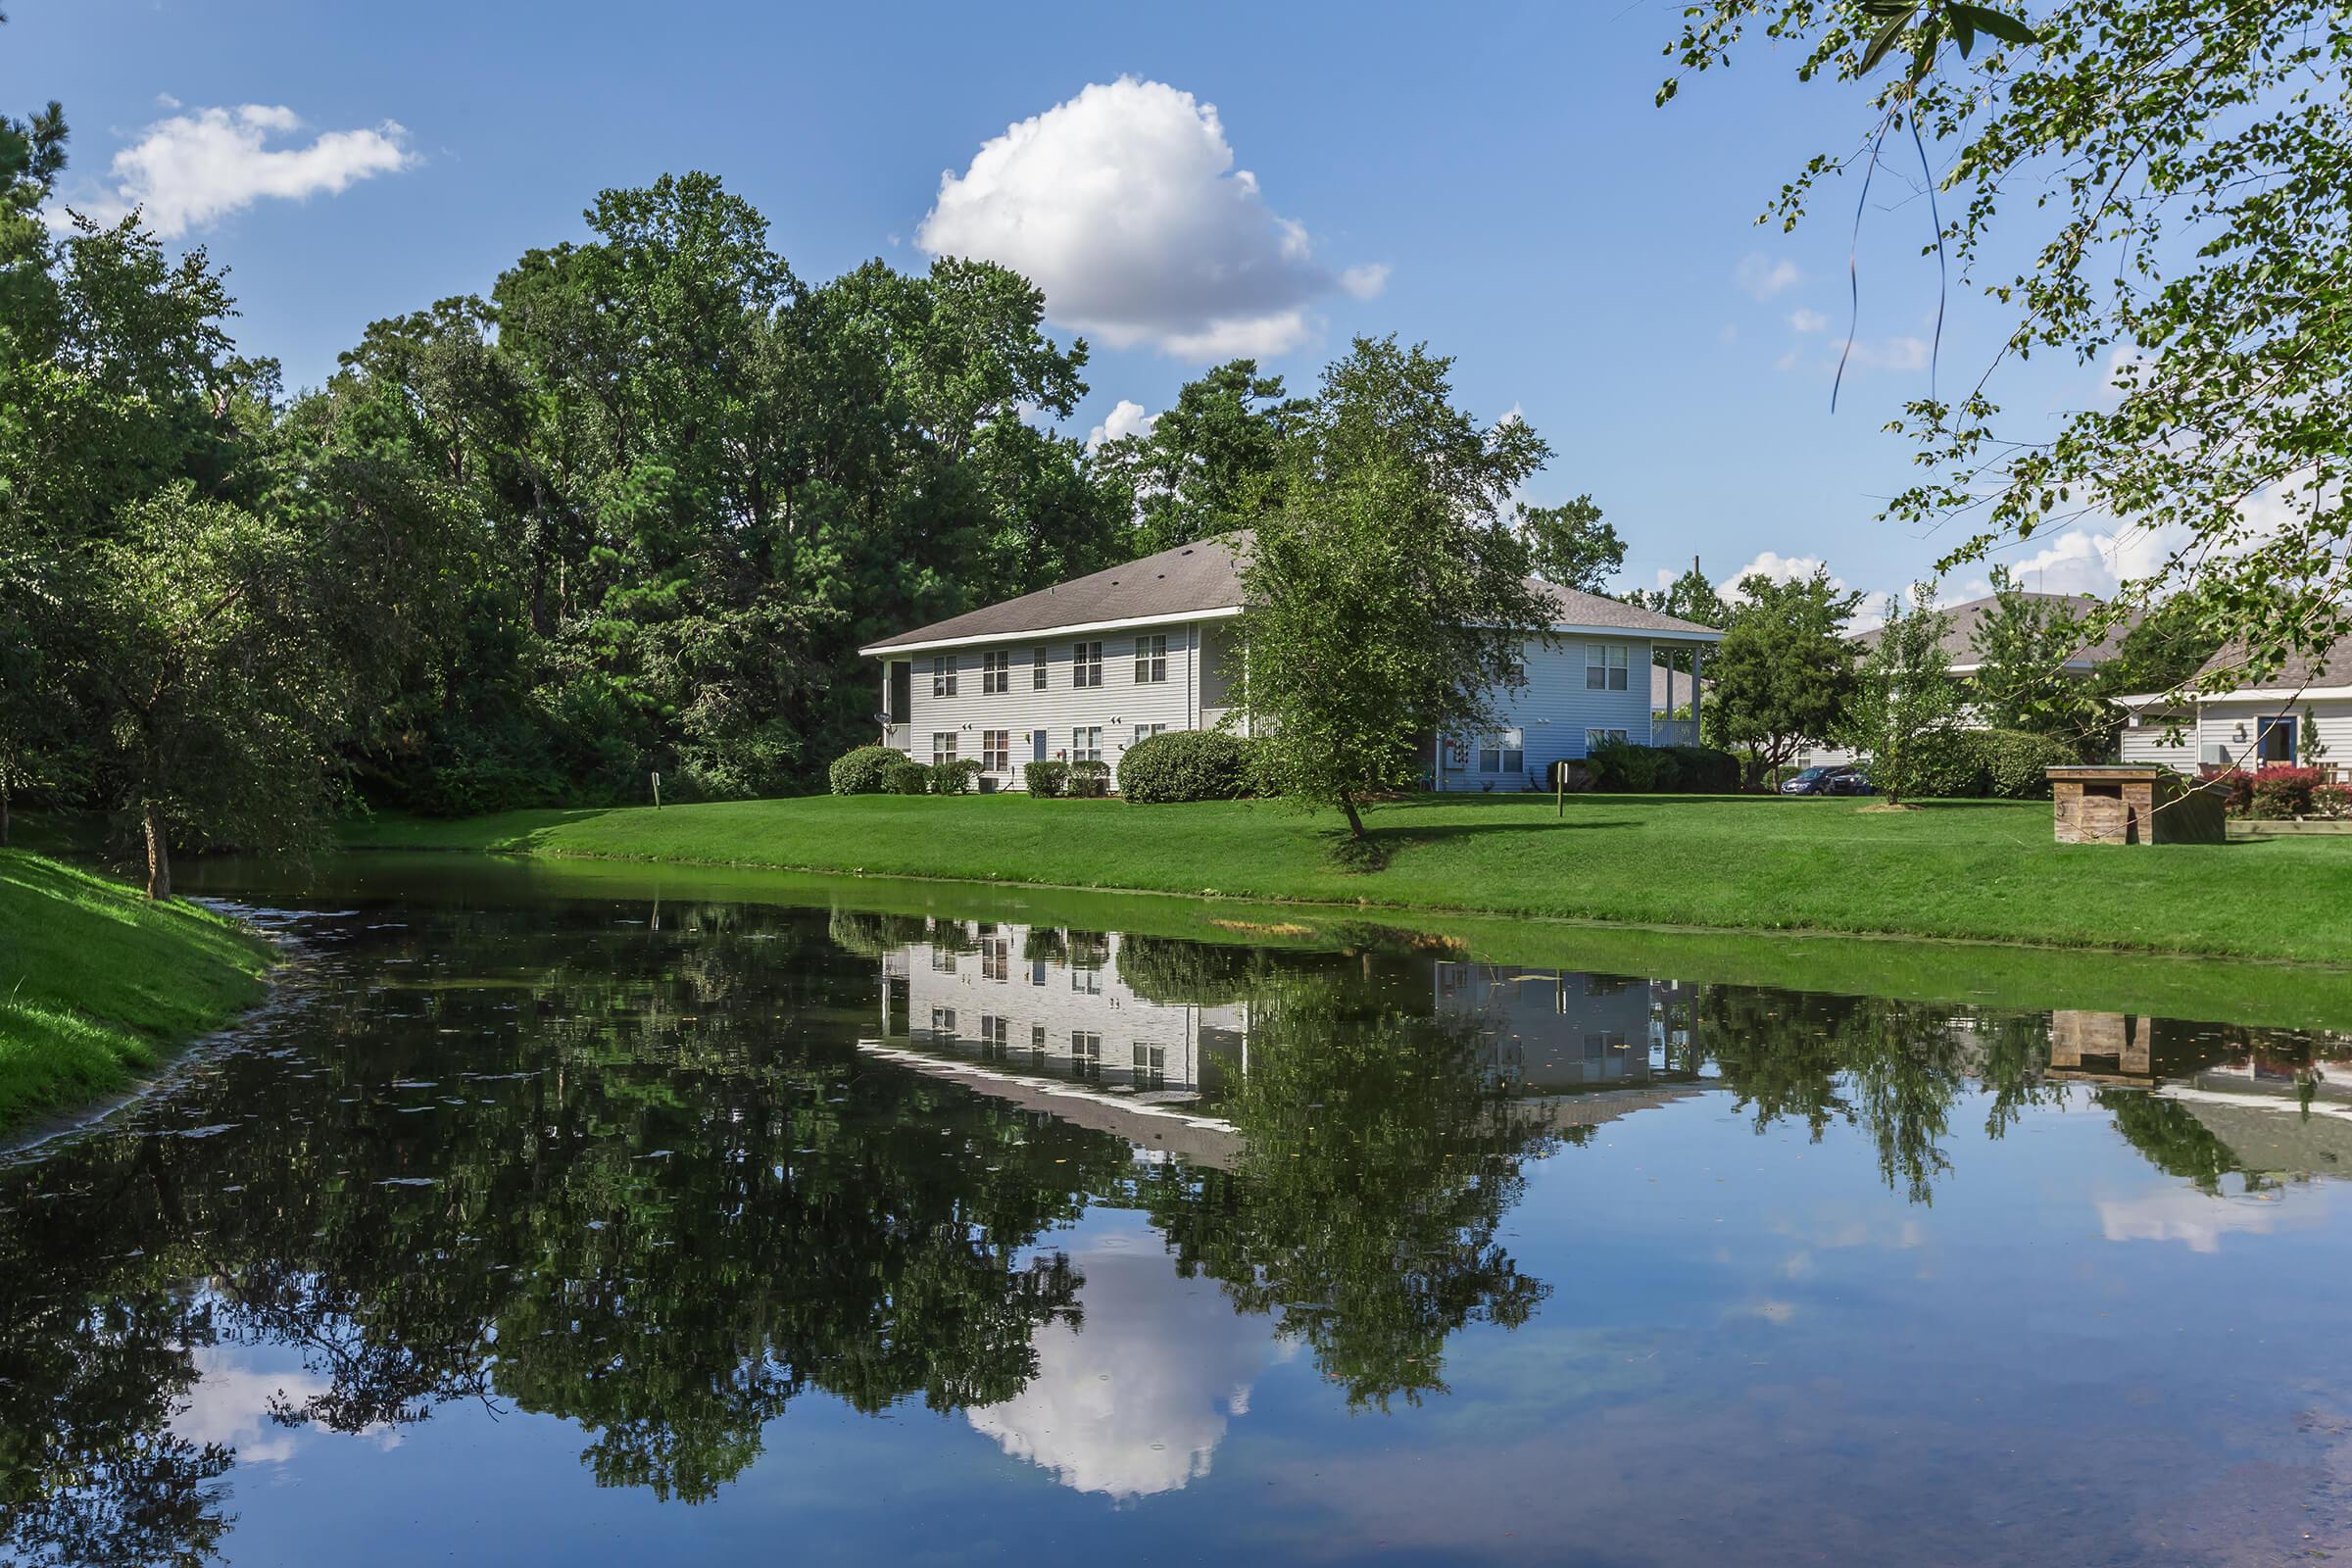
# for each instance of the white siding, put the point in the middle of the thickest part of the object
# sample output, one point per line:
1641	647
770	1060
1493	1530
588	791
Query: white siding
2217	724
1117	706
2143	742
1554	708
1551	1032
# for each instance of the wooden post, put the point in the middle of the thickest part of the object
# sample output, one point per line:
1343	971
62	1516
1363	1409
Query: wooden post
1560	785
656	792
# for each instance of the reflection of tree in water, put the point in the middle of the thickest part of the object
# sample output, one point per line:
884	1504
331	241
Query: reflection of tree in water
2169	1137
667	1202
1379	1163
1892	1068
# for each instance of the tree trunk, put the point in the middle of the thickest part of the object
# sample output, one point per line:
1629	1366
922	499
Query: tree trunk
159	853
1356	824
2	809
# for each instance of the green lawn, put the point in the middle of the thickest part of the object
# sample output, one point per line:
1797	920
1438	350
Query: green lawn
95	981
1978	869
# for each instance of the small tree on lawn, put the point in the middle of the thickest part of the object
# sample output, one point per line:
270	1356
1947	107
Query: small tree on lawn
2021	647
1386	592
1905	691
1784	672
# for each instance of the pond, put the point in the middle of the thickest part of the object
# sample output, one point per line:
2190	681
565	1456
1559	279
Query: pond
615	1218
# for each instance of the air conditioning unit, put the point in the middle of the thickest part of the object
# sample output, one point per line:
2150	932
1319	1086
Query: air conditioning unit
2217	755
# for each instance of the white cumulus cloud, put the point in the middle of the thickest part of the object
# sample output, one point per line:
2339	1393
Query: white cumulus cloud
1124	206
197	168
1760	277
1126	418
1802	319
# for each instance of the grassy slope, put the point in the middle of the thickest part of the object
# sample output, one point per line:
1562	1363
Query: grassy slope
94	981
1973	869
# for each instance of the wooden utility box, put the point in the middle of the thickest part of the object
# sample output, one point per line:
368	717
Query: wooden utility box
2133	805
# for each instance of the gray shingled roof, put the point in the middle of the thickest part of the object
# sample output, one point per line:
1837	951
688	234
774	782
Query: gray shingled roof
1959	637
2225	672
1198	578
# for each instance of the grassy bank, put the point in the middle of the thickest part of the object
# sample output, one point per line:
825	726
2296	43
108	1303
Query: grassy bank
95	982
1982	870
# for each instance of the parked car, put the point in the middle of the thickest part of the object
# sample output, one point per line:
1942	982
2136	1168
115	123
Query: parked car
1814	781
1854	781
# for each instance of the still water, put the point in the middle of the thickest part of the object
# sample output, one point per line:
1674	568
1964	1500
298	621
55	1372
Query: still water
543	1226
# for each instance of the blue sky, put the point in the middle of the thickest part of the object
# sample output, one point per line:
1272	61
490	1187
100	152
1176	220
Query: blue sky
1496	182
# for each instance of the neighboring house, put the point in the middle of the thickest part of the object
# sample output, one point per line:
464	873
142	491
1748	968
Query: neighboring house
2245	722
1083	669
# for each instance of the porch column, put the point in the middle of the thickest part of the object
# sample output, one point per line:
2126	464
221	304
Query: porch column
1699	653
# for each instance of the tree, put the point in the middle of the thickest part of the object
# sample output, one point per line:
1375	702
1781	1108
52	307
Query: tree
1208	464
1570	545
1387	596
2177	176
2021	682
1784	670
213	676
1905	691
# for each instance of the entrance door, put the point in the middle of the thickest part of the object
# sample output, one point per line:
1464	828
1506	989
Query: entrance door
2277	742
1036	746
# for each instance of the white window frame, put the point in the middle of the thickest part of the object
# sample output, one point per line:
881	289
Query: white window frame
943	754
1085	664
1086	743
1503	754
1152	660
1607	668
943	674
1037	670
1597	737
995	671
995	751
1143	732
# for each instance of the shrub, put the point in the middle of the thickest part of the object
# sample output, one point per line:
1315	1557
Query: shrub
2284	791
2236	786
1183	764
1045	780
1618	767
2017	762
1945	765
957	775
907	777
1089	780
2332	800
1698	768
861	771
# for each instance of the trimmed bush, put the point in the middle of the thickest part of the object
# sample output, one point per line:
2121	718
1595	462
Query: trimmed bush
1973	764
2281	792
860	771
907	777
1699	769
1045	780
1620	768
1089	780
2017	762
2332	800
958	776
1183	764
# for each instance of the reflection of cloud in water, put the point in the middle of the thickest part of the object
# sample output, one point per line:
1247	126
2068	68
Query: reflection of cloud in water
2201	1219
230	1405
1136	1401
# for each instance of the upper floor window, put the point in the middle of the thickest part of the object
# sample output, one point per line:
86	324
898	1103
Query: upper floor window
1037	670
943	674
995	672
1085	664
1150	659
1604	667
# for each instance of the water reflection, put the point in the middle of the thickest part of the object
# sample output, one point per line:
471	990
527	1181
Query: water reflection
667	1177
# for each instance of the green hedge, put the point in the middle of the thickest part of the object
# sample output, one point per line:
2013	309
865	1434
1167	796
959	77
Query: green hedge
1089	780
907	777
1620	768
861	771
1970	765
960	776
1045	780
1183	764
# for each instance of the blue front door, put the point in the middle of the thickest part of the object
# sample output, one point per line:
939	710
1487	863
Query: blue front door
1036	746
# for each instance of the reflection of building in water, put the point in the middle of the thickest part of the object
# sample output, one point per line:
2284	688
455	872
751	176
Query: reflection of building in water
1041	999
1559	1032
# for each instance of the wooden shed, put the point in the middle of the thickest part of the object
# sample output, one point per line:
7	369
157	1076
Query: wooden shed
2134	803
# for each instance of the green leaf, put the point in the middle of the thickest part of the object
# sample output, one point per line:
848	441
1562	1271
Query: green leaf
1887	37
1984	18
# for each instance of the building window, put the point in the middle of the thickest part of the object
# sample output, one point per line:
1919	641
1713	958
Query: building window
1085	1053
1086	741
1152	1063
1150	659
1037	670
1143	732
996	959
1087	982
942	960
1604	667
995	672
943	674
943	1021
1604	737
943	747
1085	664
995	751
1504	753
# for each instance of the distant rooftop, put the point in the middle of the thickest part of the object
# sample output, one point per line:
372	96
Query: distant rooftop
1964	618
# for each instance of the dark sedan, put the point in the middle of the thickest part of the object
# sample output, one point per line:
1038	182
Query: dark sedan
1815	781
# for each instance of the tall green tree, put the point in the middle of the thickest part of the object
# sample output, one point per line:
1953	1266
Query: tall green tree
1904	692
1784	672
1209	462
2170	182
1387	590
2020	648
1570	545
